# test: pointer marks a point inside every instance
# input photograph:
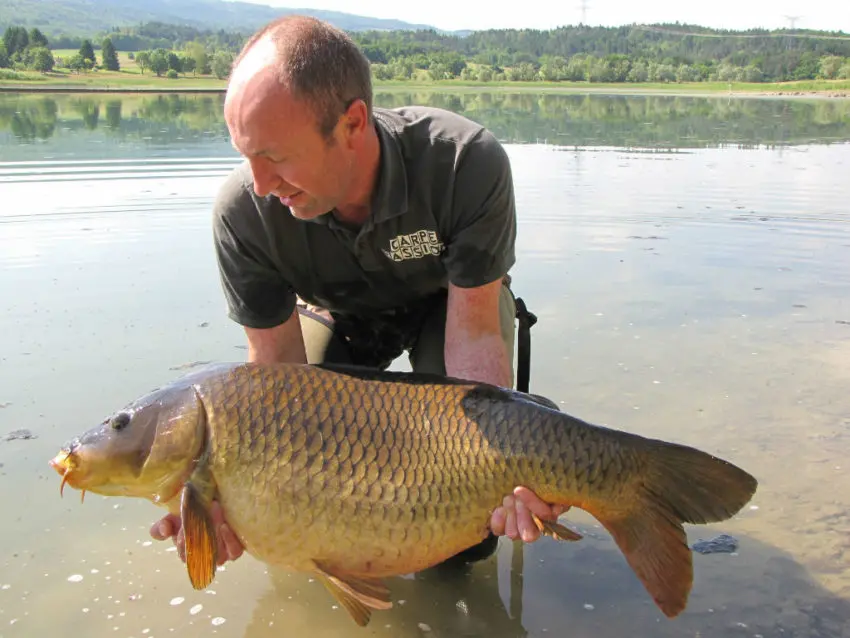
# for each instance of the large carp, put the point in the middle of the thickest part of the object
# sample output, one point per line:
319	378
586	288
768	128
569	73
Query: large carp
358	475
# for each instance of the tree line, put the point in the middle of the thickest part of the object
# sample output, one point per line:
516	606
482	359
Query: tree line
636	53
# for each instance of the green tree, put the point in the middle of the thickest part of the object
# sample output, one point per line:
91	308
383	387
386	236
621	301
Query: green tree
750	73
222	64
87	52
143	60
42	59
485	73
37	39
78	63
687	73
523	72
159	62
4	57
187	63
109	55
174	62
439	71
553	68
829	66
16	40
198	53
381	71
576	70
639	72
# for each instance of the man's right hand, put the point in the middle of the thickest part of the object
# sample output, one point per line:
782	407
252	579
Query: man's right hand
229	547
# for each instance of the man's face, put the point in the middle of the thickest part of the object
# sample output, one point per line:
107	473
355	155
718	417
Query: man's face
289	156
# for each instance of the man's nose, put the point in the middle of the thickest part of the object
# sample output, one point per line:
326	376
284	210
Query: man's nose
265	180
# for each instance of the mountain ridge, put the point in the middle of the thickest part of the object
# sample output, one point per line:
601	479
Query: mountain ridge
88	17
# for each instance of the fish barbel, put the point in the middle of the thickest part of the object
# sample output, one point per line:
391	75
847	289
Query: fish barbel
358	475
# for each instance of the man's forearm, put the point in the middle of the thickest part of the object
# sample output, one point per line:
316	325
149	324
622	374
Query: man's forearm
283	343
481	359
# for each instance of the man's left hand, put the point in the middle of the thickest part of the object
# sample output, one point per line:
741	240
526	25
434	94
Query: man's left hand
513	518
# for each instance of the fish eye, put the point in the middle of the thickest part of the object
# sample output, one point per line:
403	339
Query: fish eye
120	421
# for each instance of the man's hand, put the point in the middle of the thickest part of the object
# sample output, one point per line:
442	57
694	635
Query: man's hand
229	547
513	518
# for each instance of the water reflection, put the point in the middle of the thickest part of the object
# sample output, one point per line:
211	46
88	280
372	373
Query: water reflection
658	121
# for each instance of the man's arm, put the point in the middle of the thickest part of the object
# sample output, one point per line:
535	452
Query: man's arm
474	348
278	344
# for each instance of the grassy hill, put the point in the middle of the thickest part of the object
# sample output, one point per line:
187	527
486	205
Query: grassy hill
87	17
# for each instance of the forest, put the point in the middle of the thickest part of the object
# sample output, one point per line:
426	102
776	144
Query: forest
634	53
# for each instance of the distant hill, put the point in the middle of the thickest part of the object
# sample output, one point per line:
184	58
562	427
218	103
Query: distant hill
89	17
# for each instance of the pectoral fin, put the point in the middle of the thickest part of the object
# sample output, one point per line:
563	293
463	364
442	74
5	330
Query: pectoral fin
357	594
201	543
555	530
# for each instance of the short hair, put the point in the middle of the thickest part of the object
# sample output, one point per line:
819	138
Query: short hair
320	64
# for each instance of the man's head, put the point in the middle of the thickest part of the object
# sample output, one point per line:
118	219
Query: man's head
299	107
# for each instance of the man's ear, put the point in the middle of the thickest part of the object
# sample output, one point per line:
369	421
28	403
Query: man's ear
356	117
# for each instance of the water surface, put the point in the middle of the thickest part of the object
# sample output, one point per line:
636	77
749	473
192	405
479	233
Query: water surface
688	259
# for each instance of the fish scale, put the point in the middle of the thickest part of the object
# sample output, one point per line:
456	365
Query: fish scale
357	475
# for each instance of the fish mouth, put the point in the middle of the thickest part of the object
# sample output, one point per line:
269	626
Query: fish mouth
65	465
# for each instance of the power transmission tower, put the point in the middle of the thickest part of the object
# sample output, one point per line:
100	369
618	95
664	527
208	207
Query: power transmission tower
793	21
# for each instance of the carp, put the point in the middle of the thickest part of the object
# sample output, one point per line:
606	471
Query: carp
356	475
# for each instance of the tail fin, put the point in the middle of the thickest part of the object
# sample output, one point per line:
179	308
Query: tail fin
679	485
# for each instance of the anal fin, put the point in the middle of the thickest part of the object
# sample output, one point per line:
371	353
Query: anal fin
358	594
555	530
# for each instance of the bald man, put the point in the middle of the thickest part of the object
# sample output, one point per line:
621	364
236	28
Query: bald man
354	234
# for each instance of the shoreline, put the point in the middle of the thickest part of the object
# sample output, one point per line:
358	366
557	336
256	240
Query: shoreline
692	89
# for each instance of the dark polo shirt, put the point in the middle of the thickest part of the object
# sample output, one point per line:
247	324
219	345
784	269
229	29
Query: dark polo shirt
443	211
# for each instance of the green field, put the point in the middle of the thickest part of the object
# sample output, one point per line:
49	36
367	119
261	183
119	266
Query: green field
130	78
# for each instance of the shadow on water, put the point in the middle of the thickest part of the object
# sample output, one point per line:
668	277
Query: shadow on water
581	590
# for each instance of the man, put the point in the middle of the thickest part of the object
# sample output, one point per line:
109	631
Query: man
354	234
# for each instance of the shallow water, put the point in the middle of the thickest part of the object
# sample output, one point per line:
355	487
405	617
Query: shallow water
688	259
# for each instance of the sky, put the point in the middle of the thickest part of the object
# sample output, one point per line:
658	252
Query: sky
832	15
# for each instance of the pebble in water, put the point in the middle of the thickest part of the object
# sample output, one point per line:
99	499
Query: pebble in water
723	544
218	620
177	601
195	609
75	578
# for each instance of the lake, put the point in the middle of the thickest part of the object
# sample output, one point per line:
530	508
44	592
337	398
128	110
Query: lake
689	262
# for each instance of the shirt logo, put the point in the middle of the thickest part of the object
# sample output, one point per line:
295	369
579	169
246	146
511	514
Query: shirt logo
416	245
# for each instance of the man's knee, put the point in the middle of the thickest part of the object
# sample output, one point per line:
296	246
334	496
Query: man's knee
321	343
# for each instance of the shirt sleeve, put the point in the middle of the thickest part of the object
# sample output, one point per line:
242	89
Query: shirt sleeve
481	246
256	294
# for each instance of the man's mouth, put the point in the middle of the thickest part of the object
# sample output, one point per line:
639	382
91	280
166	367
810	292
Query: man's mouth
288	200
